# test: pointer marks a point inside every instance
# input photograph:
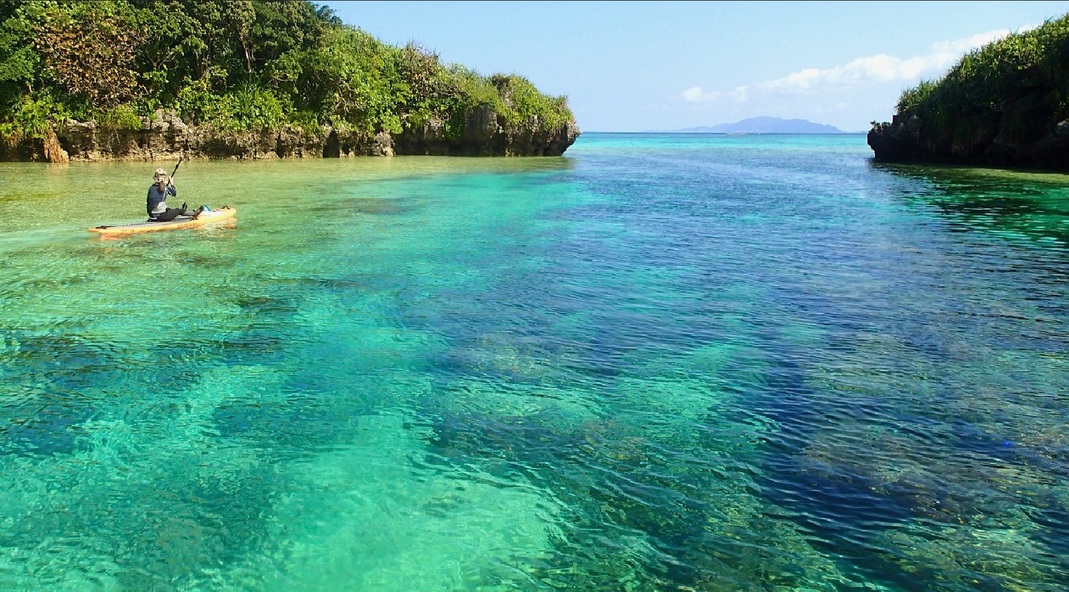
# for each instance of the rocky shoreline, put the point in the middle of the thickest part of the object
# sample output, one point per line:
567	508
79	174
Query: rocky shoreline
166	137
905	140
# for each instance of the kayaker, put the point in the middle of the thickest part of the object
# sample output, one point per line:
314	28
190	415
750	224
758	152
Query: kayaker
156	204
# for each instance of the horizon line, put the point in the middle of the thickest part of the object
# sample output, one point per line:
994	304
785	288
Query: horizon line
835	133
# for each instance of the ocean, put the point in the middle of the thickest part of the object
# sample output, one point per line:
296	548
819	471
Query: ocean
660	362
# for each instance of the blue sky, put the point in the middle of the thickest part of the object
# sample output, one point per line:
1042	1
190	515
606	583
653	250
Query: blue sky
640	66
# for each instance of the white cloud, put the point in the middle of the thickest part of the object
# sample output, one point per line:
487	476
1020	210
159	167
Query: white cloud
962	46
696	94
693	94
861	71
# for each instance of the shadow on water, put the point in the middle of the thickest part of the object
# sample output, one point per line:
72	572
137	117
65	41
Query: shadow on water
1028	205
371	206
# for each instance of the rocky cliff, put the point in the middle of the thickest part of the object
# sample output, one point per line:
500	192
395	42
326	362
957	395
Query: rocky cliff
906	140
166	137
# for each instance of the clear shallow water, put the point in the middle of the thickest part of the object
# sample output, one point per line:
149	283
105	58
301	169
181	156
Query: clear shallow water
662	362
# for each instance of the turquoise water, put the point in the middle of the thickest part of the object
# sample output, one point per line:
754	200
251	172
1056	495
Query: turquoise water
661	362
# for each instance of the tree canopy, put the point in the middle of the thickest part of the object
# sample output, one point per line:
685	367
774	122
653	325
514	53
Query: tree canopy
1018	85
234	64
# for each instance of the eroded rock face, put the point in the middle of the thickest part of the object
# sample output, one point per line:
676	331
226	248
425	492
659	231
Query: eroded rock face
898	141
166	137
904	141
485	133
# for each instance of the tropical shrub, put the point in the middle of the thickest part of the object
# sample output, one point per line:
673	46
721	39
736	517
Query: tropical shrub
235	64
1019	83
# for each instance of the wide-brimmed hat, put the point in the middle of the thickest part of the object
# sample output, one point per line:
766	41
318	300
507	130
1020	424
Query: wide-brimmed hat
160	173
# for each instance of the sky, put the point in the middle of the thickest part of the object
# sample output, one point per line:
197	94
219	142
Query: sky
658	66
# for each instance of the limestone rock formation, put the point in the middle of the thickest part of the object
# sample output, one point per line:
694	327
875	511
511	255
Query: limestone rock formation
906	140
166	137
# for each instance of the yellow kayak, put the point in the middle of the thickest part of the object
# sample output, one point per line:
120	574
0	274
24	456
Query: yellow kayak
206	217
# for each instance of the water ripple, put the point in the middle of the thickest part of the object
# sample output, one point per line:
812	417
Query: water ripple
661	363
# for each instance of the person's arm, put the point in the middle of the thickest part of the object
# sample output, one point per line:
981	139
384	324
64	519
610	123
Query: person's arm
171	189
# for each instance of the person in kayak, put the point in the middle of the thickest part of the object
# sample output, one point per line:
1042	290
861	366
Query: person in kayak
156	204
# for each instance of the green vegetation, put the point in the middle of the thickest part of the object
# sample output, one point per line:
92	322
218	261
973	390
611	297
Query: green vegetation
236	65
1017	87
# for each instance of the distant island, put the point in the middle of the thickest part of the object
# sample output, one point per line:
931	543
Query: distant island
766	125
